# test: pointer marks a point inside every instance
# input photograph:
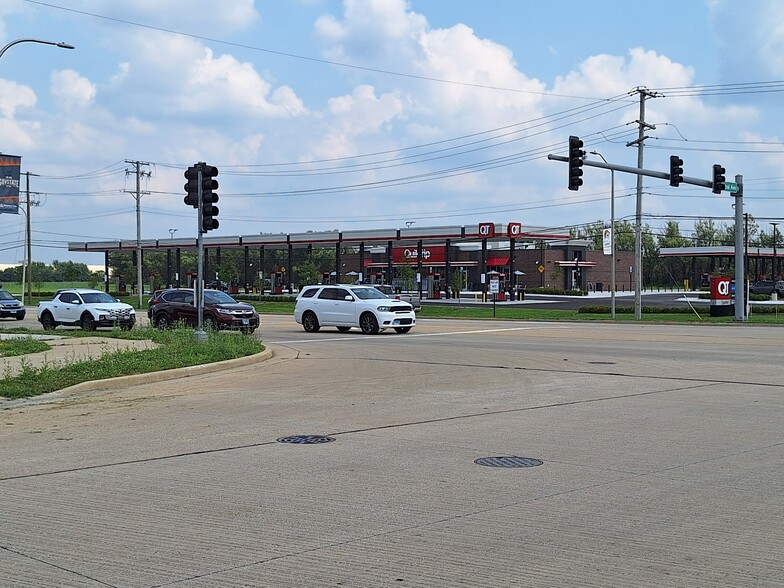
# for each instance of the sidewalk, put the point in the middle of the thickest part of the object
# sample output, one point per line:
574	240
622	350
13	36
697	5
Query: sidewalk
65	350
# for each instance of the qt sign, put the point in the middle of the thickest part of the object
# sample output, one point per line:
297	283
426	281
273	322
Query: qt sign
720	290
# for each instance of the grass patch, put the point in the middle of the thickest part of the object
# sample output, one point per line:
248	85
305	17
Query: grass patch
22	346
178	348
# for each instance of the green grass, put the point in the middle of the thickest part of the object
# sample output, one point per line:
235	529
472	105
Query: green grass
178	348
22	346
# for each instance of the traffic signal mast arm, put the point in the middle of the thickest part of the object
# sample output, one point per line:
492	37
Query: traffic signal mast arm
635	170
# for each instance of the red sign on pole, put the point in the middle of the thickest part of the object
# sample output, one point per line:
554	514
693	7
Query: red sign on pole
487	230
514	230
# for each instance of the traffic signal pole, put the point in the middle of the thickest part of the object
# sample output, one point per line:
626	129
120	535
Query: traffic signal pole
740	282
740	294
198	290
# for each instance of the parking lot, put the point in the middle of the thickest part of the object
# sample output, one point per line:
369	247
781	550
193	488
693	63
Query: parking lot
660	449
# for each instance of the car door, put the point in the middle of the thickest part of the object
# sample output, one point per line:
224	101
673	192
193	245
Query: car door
325	306
69	307
345	307
184	308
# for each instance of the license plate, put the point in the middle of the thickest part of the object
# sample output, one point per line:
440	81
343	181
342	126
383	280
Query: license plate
245	321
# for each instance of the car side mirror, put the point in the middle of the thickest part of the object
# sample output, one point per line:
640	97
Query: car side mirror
348	297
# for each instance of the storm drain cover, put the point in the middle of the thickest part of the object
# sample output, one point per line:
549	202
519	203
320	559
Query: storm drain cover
511	461
306	439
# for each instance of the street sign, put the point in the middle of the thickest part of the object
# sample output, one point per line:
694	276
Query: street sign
730	187
541	269
494	286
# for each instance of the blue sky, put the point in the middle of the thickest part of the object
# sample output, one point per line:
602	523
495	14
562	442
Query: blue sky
328	114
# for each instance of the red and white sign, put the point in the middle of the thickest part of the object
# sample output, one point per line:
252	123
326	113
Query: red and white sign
430	254
487	230
514	230
720	290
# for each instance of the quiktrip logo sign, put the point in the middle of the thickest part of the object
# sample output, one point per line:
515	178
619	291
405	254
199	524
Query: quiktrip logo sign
430	254
721	290
9	183
487	230
514	230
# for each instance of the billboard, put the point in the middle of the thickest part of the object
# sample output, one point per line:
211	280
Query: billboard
9	183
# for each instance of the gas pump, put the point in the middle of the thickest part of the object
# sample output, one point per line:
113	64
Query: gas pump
277	282
436	286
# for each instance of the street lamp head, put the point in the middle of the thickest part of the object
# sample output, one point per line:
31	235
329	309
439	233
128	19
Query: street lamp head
65	45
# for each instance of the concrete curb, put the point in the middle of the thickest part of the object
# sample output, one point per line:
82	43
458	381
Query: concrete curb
151	377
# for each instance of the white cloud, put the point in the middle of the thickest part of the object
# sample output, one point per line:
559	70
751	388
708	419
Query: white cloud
71	90
14	96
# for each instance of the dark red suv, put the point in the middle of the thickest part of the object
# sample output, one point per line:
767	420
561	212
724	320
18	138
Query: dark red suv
221	311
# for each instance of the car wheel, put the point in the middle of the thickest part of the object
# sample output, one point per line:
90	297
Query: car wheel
402	329
310	322
47	322
210	323
162	321
344	329
19	317
247	330
87	322
368	324
126	326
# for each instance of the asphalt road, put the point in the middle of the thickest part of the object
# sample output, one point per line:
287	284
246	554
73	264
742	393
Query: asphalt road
661	446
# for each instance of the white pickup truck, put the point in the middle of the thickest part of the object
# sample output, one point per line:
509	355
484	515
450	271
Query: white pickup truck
85	308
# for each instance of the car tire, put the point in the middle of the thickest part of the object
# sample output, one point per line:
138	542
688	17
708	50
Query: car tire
20	317
162	321
87	322
402	329
126	326
310	322
368	323
344	329
48	322
210	323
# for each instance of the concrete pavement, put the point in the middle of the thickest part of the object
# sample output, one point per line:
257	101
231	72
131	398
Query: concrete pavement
661	450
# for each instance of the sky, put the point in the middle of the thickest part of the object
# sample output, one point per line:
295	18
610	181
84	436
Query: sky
357	114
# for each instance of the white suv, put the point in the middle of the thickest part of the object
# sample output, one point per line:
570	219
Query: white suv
345	306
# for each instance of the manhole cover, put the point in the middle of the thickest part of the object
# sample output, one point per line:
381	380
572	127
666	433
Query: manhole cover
306	439
511	461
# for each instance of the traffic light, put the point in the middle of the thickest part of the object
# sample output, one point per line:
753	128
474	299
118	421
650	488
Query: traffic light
208	198
576	155
192	186
718	178
676	170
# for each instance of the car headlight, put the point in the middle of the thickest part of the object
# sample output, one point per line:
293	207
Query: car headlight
223	311
384	308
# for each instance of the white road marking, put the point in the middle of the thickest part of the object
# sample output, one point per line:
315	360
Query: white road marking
409	335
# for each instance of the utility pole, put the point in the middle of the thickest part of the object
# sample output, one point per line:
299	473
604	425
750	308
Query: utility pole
644	95
28	267
138	196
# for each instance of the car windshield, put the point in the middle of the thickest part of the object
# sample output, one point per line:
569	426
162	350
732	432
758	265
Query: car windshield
97	297
218	298
368	293
6	295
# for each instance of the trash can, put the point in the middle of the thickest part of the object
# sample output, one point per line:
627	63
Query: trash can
599	287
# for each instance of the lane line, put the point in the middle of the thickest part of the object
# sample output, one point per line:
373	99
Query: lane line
409	335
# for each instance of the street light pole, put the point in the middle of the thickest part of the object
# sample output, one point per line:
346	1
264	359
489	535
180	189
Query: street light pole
612	236
12	43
